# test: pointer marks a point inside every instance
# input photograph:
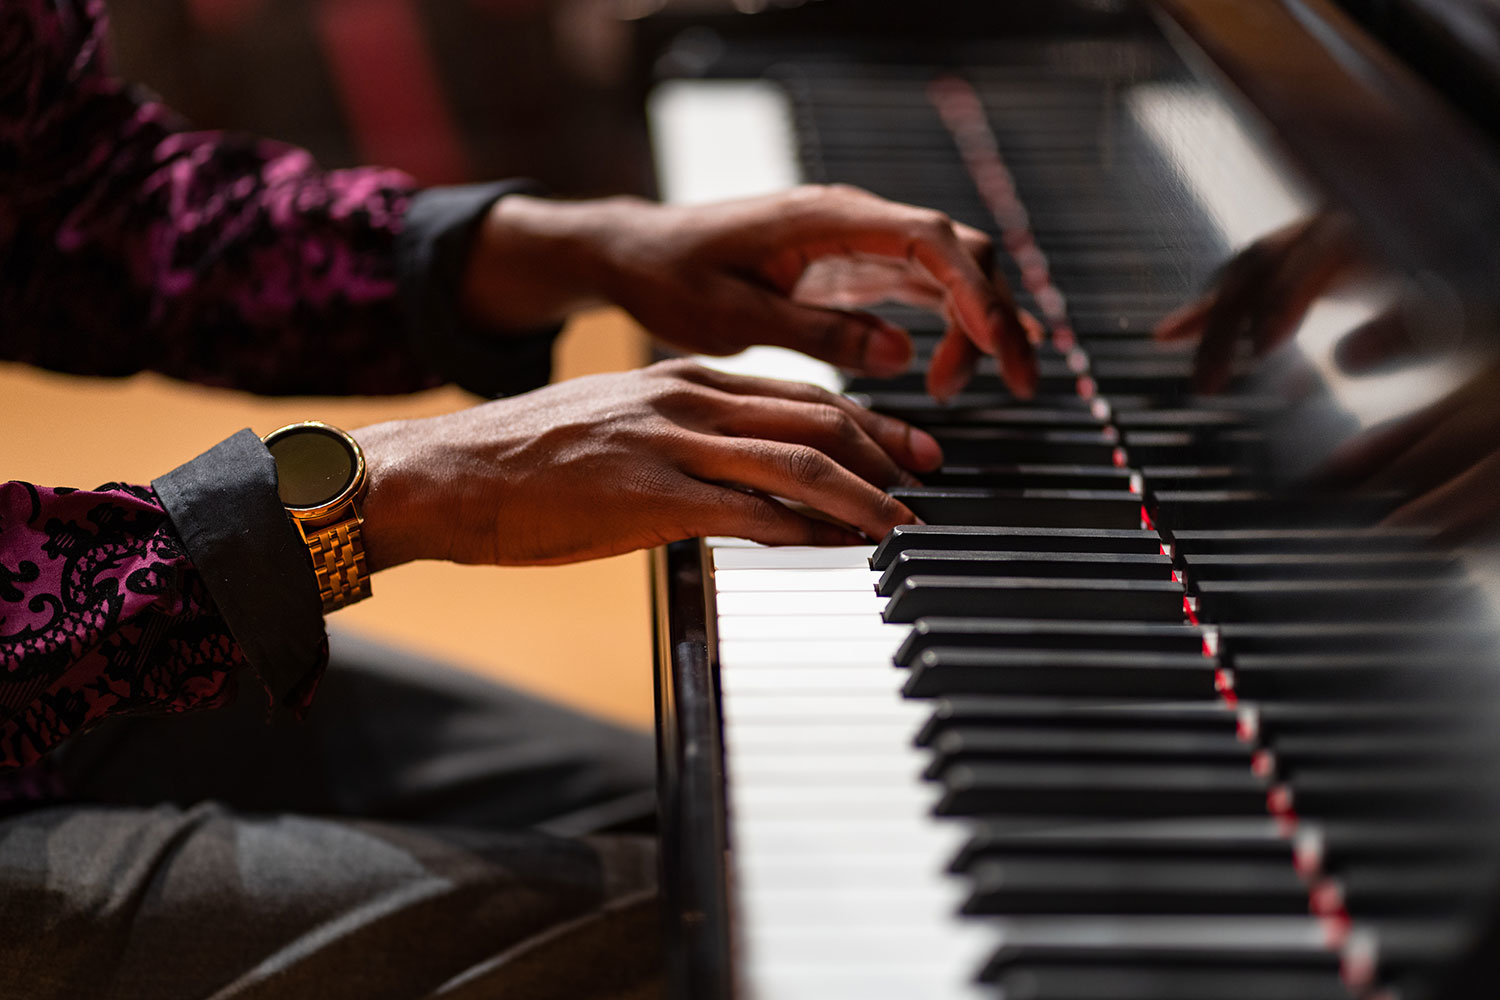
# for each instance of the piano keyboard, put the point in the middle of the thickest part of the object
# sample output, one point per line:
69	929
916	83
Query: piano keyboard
1119	722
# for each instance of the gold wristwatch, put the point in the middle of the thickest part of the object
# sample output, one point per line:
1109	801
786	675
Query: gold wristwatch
320	474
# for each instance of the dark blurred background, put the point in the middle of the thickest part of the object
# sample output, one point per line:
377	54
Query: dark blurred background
449	90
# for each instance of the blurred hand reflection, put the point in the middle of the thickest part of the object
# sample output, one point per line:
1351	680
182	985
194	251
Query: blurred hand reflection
1445	458
1261	296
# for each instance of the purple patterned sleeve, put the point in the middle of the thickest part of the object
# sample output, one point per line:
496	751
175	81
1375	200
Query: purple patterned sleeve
128	242
101	613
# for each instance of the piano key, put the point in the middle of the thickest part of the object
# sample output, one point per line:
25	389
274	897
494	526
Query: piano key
1338	600
977	445
1057	565
1059	672
960	745
1423	889
1022	508
1135	790
1307	540
1344	792
1076	713
1054	982
1034	597
1208	509
790	557
1091	887
1003	633
1236	838
1242	943
1329	845
1013	539
1356	676
1334	637
1039	477
1304	566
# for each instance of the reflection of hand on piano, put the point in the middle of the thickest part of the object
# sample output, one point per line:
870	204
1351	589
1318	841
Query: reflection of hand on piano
1446	457
607	464
1261	296
718	278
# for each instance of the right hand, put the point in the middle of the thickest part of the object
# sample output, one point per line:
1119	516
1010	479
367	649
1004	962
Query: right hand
607	464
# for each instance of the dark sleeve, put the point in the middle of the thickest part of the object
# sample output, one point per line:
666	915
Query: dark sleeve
133	599
130	242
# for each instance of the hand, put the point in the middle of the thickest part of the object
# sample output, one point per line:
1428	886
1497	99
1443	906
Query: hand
607	464
1262	295
784	269
1445	458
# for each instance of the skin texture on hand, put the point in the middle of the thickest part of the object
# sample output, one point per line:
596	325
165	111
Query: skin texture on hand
789	269
607	464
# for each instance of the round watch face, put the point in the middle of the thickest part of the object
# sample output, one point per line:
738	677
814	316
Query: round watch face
313	467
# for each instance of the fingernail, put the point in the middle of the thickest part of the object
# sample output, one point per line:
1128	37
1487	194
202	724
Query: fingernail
888	352
925	451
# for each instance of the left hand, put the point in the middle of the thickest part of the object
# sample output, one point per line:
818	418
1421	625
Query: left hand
784	269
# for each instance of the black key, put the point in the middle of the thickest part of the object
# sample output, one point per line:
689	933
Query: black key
1056	565
1423	889
971	744
1272	720
1183	418
1228	447
1036	477
1090	887
1012	633
1365	675
1320	565
1336	600
1196	477
978	445
1033	981
1061	672
1074	713
1136	790
1032	597
1202	943
1012	539
1235	838
1023	508
1332	845
1348	793
1442	748
1187	543
1340	637
931	414
1208	509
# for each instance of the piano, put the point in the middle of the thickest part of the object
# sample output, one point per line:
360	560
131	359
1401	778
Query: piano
1137	714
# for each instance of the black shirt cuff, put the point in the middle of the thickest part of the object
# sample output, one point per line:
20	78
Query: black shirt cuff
431	252
226	510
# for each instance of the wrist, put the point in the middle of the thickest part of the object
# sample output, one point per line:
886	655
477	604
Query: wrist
392	509
535	260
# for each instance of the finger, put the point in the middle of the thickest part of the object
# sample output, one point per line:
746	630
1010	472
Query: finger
985	310
1305	272
801	474
718	510
831	429
1187	322
1230	314
1382	342
911	447
953	363
854	341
